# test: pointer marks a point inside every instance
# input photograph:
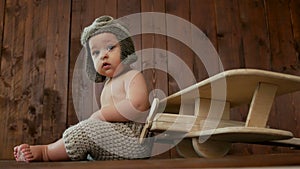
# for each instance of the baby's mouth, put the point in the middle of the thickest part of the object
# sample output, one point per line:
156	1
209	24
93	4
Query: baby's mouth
106	65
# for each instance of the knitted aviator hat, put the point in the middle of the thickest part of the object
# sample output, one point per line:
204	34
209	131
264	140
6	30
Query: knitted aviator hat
109	25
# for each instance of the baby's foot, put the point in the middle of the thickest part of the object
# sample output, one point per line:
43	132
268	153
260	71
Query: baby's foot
23	153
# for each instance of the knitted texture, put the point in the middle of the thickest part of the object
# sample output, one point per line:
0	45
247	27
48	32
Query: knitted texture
106	24
105	141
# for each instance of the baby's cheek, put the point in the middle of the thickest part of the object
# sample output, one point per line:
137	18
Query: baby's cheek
97	64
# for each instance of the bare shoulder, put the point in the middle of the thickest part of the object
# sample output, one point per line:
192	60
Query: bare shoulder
134	75
133	78
133	72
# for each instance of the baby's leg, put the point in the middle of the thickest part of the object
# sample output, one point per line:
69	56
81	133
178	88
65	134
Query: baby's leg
52	152
57	151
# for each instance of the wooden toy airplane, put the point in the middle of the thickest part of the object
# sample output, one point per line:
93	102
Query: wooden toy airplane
198	116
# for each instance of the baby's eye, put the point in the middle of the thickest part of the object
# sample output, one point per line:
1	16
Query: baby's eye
110	47
95	53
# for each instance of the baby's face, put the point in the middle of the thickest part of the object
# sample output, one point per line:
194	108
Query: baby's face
106	54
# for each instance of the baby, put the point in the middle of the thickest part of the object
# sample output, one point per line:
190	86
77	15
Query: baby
113	131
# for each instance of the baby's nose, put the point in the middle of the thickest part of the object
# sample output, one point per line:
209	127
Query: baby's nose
104	53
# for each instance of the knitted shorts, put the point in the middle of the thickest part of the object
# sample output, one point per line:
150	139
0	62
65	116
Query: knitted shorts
105	141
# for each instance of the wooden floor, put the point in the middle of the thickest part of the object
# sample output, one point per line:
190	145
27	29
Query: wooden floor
290	160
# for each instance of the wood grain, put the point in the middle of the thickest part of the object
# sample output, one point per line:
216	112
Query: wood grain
202	13
2	12
229	37
255	36
11	72
284	160
155	61
179	80
280	39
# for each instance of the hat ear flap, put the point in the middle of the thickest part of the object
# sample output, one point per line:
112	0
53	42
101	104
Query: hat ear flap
90	69
129	59
128	55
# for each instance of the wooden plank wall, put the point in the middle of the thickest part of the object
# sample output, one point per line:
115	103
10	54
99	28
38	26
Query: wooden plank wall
34	71
40	44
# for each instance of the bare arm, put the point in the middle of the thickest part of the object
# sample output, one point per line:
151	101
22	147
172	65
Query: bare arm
131	108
